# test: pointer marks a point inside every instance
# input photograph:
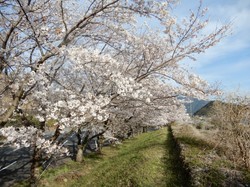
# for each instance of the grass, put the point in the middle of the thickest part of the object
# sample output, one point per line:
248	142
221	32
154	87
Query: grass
207	166
174	163
149	159
172	157
197	153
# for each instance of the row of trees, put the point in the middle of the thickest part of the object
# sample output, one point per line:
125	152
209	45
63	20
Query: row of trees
92	64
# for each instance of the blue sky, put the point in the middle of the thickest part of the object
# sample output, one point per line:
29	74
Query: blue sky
228	63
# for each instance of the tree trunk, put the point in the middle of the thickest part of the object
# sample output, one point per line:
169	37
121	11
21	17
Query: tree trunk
35	170
79	155
56	134
130	133
80	145
100	142
9	112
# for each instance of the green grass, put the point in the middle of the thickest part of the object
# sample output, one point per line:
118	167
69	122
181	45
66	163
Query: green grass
174	163
146	160
138	162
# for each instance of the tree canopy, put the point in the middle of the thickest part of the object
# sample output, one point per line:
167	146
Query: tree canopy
94	64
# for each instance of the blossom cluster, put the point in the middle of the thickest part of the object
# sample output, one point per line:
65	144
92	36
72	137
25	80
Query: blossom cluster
31	136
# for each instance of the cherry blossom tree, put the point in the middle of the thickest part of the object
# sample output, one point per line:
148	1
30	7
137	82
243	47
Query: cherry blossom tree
92	64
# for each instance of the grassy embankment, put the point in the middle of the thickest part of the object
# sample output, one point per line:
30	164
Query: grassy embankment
150	159
207	163
156	158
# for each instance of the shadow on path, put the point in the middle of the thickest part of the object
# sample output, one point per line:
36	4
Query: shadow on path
176	172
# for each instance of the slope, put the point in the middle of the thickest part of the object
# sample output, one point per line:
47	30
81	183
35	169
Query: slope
146	160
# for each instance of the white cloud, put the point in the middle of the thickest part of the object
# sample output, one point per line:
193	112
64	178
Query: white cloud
239	14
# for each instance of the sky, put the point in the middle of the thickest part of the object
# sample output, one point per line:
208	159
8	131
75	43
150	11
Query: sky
228	63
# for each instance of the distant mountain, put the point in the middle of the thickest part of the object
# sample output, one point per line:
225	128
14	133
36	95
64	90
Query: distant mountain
195	105
205	110
208	109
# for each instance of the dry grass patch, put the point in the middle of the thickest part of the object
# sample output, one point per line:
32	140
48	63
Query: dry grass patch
204	156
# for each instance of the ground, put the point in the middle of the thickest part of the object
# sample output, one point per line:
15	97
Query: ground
178	155
149	159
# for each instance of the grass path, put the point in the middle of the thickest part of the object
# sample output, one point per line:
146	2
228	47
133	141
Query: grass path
150	159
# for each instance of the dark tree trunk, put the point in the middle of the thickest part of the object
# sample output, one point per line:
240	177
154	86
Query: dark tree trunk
100	143
9	112
130	132
35	166
37	156
81	145
56	134
144	129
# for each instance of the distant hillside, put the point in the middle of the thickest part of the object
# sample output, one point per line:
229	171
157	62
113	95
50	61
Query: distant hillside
195	105
206	110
